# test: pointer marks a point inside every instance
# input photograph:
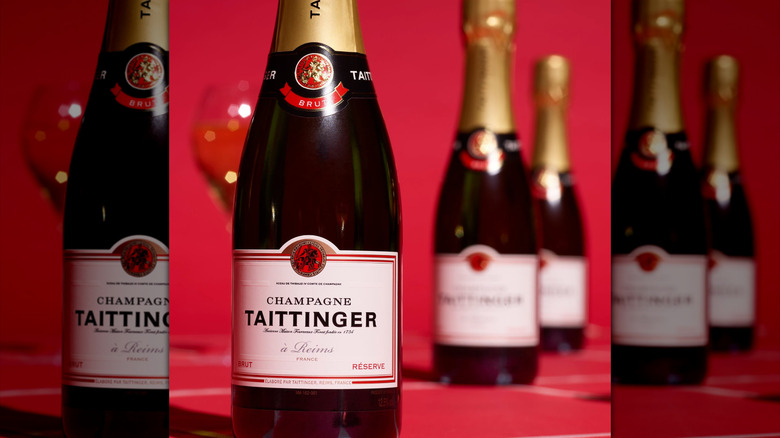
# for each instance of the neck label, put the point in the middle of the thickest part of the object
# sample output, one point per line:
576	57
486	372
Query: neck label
484	151
547	184
316	81
136	77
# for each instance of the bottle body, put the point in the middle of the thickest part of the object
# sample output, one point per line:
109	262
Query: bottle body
486	325
115	238
732	283
732	278
317	214
659	263
563	265
659	242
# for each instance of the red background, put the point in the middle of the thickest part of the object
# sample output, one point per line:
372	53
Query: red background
415	53
752	35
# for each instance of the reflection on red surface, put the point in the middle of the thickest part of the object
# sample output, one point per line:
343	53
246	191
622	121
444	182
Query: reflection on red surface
740	396
571	396
577	384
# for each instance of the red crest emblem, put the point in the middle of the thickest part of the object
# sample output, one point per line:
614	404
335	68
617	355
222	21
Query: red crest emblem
308	258
478	261
648	261
139	258
313	71
482	144
653	152
144	71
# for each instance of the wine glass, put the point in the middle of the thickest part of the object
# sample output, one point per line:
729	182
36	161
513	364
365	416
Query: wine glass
219	131
48	135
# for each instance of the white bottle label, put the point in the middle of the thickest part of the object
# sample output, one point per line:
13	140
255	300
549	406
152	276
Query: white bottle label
115	316
486	299
732	291
658	299
312	316
562	285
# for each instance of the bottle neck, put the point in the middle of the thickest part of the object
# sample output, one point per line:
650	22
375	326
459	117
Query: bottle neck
656	101
487	93
551	143
135	21
334	23
720	138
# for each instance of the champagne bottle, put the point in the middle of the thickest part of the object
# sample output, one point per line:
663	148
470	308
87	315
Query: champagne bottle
115	237
659	244
563	273
485	324
317	241
732	266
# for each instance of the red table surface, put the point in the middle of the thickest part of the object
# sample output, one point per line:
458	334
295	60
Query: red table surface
570	397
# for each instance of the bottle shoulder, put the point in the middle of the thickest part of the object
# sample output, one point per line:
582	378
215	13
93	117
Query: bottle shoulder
488	207
656	195
332	176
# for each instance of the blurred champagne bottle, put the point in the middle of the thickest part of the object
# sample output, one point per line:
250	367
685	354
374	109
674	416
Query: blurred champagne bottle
486	328
732	282
563	266
659	243
115	237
